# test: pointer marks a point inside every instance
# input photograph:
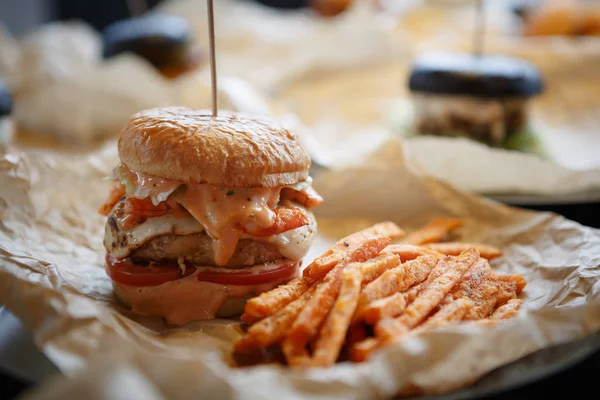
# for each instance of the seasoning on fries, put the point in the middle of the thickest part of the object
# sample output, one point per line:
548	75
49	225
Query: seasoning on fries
365	293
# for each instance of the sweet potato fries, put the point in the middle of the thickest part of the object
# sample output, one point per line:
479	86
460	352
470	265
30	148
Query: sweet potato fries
365	293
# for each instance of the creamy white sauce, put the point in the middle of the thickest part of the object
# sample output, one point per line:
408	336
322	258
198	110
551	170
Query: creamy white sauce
141	186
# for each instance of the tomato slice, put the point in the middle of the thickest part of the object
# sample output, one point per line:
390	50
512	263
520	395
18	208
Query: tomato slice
127	273
247	277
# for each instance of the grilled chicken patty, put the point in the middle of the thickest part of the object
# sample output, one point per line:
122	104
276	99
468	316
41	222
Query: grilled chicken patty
197	249
168	238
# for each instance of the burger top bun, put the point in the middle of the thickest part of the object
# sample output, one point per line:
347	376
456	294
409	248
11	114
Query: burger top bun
231	150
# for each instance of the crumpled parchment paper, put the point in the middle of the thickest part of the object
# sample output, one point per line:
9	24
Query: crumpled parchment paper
52	278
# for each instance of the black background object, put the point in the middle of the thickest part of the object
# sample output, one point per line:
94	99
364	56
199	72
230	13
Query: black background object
5	100
97	13
160	39
485	76
285	4
101	13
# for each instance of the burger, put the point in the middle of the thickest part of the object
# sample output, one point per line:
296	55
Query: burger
482	97
162	40
205	212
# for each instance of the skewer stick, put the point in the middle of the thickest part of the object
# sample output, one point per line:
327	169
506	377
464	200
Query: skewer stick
213	64
479	32
137	7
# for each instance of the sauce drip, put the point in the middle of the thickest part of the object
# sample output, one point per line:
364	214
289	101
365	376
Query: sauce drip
224	211
221	211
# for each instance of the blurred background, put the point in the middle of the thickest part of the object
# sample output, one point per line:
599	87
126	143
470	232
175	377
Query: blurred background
20	16
338	71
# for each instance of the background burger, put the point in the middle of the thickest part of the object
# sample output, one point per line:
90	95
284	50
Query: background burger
205	212
482	97
165	41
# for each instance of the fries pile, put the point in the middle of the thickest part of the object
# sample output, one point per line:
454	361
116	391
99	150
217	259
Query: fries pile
365	293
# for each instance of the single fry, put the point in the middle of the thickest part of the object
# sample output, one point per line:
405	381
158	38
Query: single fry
506	292
389	329
268	303
388	307
408	252
294	355
509	310
478	285
431	296
455	248
484	299
517	280
331	338
371	269
436	272
362	350
273	328
323	264
312	315
509	287
411	294
395	280
435	231
451	312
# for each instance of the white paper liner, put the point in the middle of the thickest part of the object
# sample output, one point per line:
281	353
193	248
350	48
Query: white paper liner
52	278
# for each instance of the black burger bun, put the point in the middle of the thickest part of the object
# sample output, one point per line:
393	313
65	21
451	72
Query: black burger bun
481	76
163	40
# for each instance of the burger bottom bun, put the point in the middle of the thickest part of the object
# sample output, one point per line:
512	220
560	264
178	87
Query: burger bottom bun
187	299
232	307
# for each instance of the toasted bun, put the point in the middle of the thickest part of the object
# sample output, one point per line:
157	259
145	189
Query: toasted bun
232	307
230	150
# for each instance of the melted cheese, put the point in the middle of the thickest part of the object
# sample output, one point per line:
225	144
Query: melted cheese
152	227
187	299
222	212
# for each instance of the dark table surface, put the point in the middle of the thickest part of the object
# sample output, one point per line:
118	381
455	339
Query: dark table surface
582	376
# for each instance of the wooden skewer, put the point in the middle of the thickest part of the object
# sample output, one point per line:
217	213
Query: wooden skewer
213	64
